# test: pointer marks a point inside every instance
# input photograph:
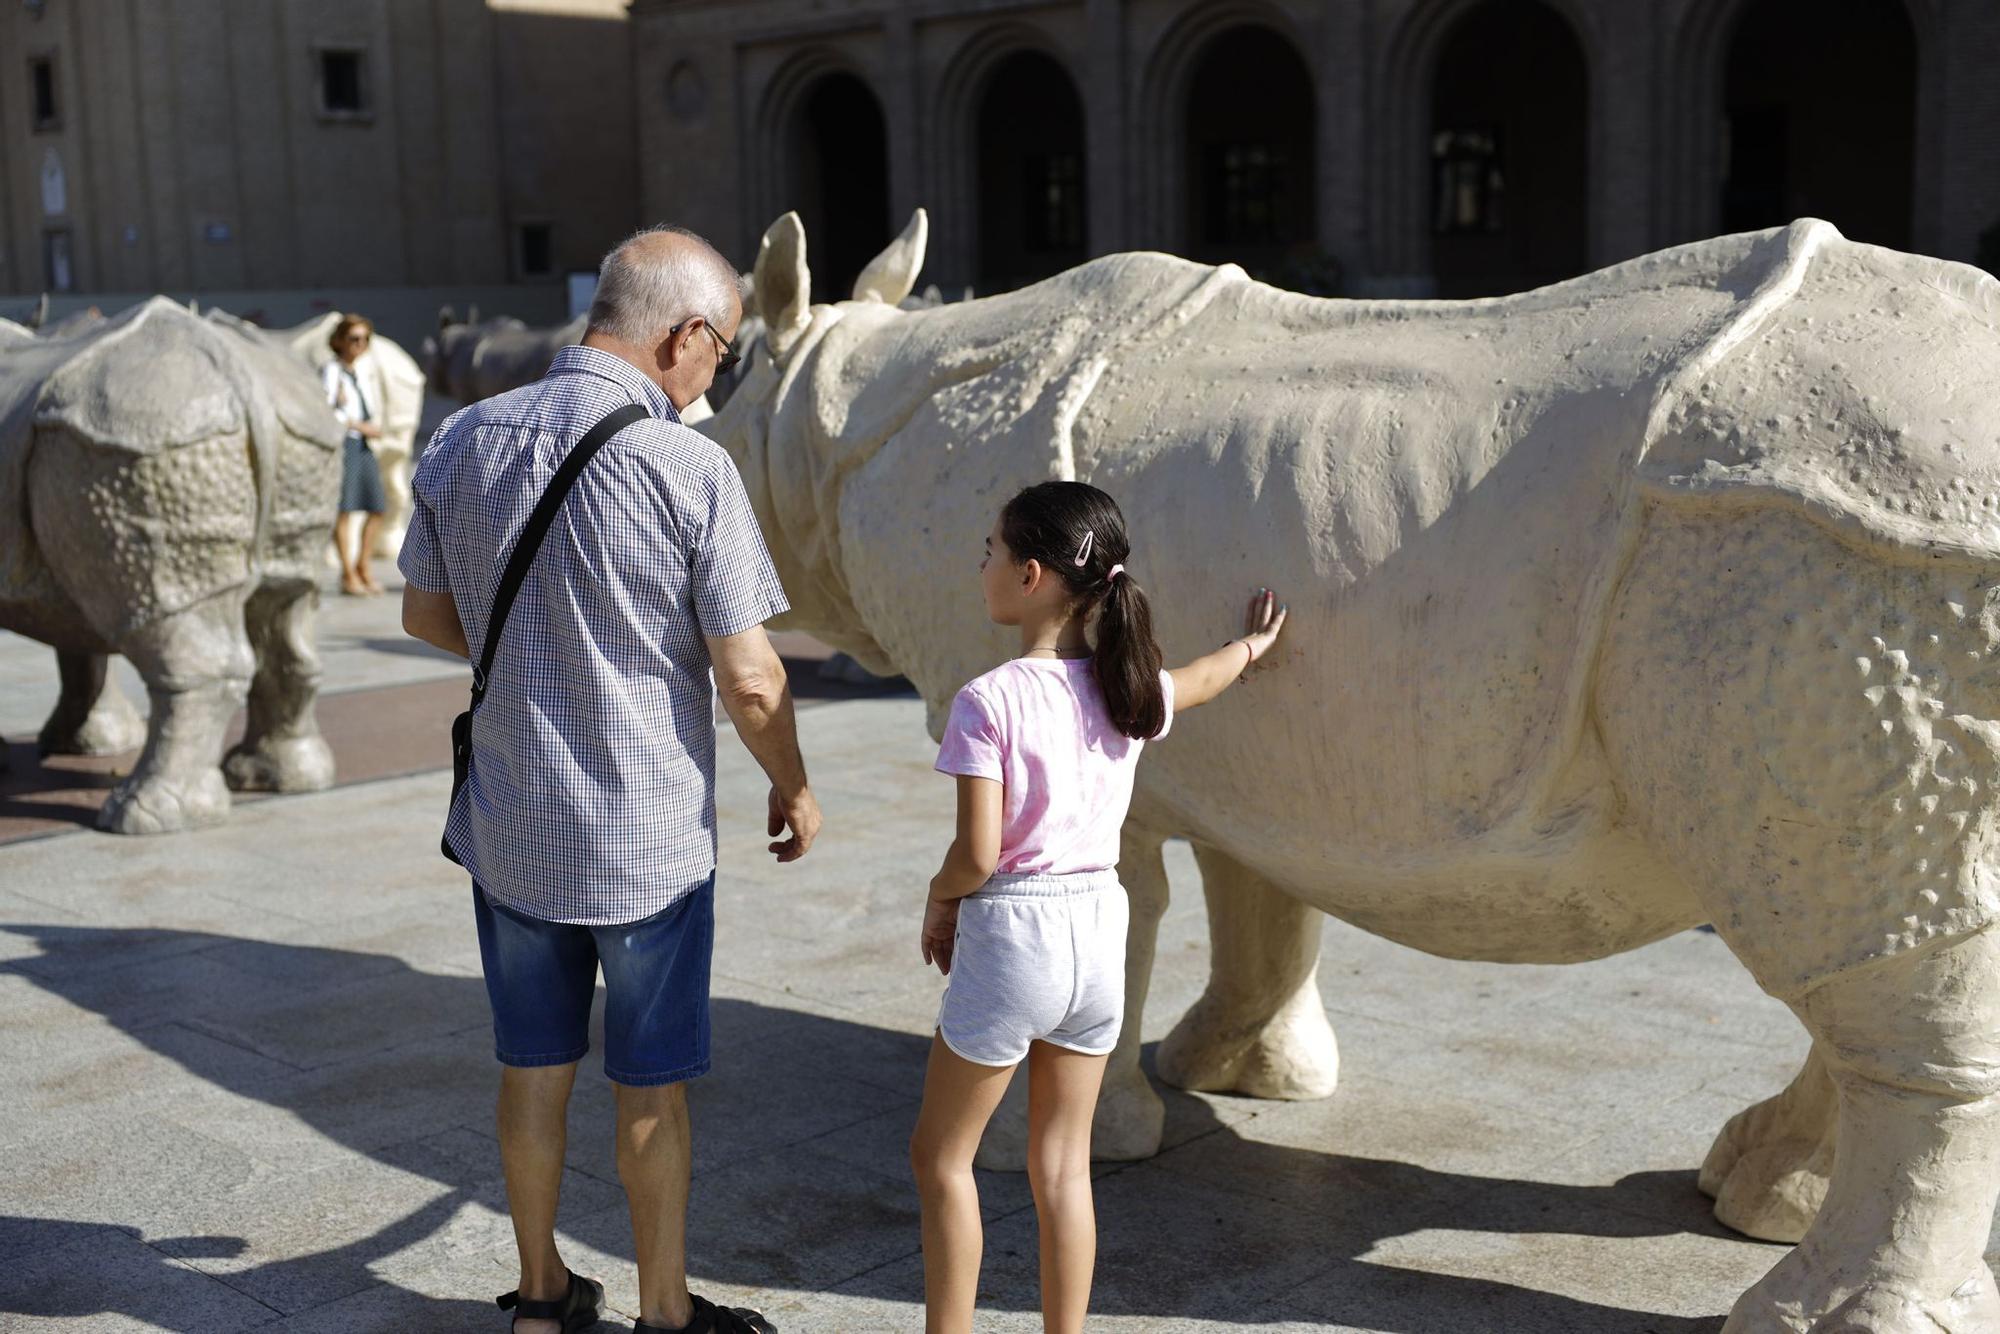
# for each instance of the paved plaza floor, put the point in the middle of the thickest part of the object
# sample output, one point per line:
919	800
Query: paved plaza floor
248	1082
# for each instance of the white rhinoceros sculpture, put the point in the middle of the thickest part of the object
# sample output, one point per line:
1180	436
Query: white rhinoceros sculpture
1663	596
169	482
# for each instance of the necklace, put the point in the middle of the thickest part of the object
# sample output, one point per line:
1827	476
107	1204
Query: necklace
1058	652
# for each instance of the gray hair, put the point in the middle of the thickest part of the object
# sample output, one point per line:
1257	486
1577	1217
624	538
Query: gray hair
645	290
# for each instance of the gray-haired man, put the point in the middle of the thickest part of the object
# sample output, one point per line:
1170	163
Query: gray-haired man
587	817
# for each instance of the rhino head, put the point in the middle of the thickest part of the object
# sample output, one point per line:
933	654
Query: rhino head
808	408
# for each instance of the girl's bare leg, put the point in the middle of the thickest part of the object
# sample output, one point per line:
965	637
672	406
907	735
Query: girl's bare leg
959	1098
1062	1098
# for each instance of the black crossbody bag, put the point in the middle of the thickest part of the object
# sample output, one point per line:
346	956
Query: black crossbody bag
518	561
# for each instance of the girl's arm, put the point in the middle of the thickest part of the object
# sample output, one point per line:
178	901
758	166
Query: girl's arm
967	865
1211	674
973	855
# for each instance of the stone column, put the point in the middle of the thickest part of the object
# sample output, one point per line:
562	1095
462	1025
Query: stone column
1964	176
1104	110
907	185
1340	97
1620	63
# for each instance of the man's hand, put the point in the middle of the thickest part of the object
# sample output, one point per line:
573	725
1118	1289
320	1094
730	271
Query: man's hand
801	816
940	932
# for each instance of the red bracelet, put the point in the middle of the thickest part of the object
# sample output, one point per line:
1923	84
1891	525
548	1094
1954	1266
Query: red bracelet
1251	651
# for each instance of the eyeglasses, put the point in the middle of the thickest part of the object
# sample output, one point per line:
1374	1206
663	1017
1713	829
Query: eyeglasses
727	358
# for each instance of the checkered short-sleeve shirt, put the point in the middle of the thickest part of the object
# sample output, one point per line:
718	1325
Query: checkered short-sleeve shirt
591	797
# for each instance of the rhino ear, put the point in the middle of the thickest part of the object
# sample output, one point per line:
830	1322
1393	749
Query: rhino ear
892	275
783	283
446	318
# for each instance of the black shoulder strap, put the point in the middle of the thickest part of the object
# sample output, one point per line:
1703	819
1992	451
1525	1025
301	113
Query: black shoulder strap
530	540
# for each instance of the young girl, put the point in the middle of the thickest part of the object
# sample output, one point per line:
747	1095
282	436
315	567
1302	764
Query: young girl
1027	918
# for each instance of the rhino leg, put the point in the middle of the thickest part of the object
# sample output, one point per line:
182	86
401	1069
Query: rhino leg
1914	1057
1768	1170
92	715
1130	1116
282	749
1809	732
1260	1027
196	664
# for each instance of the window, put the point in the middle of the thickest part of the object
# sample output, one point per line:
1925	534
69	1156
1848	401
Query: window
1247	190
1469	185
1054	195
343	83
43	111
57	273
538	250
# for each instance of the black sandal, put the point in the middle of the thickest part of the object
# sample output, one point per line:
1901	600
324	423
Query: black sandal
712	1319
577	1308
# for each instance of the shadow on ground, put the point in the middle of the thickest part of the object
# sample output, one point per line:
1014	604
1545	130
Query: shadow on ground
800	1182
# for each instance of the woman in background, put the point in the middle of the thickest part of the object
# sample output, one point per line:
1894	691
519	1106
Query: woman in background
360	477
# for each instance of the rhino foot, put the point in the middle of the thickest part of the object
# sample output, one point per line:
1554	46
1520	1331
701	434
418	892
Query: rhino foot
1130	1120
1780	1305
159	805
1768	1169
1290	1055
112	728
294	764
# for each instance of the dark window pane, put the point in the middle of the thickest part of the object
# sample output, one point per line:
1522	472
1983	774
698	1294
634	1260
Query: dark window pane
42	78
340	81
537	248
1053	193
1470	187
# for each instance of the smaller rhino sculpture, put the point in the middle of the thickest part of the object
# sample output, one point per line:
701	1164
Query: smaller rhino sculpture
473	359
174	478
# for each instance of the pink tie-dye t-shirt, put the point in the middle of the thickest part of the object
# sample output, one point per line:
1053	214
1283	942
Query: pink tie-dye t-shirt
1038	727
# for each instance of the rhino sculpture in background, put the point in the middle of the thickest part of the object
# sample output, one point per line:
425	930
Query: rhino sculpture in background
473	359
170	482
1662	596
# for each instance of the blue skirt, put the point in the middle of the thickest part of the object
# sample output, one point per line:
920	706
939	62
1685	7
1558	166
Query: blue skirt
360	478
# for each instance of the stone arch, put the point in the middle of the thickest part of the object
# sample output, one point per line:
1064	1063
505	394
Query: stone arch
1402	178
1161	149
1739	163
960	235
823	149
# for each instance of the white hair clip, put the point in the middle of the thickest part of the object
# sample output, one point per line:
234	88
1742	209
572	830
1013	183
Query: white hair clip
1089	544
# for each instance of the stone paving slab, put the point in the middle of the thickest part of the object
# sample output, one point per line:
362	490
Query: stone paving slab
250	1086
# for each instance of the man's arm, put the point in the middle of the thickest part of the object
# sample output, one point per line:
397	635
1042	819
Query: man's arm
433	618
757	696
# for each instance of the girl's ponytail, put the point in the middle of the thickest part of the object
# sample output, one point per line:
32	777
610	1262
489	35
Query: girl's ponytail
1077	531
1127	661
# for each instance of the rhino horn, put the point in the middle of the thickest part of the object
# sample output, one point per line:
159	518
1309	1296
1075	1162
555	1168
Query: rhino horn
783	283
892	275
472	314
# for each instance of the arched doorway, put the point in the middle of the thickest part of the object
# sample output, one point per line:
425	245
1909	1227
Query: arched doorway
1032	210
840	180
1819	114
1509	155
1248	133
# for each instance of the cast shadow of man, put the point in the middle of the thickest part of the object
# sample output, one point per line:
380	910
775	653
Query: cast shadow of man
800	1181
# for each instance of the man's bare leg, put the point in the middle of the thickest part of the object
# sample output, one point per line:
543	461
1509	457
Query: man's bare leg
655	1162
534	1135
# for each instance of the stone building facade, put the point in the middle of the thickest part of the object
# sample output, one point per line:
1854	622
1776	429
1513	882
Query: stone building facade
1410	146
195	145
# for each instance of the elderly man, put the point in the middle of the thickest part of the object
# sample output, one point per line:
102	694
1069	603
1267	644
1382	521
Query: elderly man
587	813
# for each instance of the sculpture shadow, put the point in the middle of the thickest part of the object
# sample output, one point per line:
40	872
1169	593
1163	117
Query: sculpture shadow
801	1182
63	788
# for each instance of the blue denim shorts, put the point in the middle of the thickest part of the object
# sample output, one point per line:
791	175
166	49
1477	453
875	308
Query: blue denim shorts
541	977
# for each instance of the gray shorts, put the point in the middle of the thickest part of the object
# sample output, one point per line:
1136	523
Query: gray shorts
1038	958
